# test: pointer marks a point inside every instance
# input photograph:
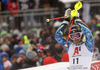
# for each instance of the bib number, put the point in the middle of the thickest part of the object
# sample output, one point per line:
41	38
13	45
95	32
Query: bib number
75	60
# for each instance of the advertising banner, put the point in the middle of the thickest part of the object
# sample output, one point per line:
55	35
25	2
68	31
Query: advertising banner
62	66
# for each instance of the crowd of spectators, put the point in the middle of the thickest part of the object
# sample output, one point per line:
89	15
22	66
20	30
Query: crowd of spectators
28	50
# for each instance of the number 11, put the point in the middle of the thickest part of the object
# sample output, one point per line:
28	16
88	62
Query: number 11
75	60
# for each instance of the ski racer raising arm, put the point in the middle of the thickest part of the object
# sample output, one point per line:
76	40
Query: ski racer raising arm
80	50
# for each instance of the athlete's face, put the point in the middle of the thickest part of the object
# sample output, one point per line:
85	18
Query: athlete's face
77	40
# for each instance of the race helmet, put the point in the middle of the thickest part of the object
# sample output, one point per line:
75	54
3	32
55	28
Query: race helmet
75	28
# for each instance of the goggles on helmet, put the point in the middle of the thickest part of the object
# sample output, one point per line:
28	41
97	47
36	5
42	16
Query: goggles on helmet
75	35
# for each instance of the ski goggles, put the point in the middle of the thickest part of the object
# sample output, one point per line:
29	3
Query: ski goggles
75	35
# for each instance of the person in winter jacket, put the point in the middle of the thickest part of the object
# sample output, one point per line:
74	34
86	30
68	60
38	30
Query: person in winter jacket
19	64
5	48
3	57
65	58
13	59
49	60
7	65
31	59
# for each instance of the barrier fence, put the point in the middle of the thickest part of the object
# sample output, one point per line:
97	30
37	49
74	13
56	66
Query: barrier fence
28	18
95	65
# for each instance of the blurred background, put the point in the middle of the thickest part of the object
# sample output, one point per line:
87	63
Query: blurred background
23	27
27	14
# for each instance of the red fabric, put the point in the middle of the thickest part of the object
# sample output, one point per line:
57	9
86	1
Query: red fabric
49	60
94	48
41	47
83	21
11	6
65	58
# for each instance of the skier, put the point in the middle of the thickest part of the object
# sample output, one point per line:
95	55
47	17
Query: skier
80	49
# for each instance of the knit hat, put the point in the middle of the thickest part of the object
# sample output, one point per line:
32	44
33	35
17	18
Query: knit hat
40	48
14	56
3	32
49	60
18	48
4	46
31	54
7	64
65	58
21	52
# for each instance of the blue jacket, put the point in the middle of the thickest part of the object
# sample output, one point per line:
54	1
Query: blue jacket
89	39
1	63
5	2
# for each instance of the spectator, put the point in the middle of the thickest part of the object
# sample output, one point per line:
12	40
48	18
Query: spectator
47	31
14	58
19	64
52	52
45	4
46	44
18	48
31	16
65	58
41	55
34	40
59	53
3	33
13	42
26	43
22	54
97	28
31	59
6	40
94	22
3	57
32	4
20	42
57	45
5	48
52	31
7	65
49	60
42	36
97	40
96	55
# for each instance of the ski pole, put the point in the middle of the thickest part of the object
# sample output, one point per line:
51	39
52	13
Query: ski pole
69	33
48	20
